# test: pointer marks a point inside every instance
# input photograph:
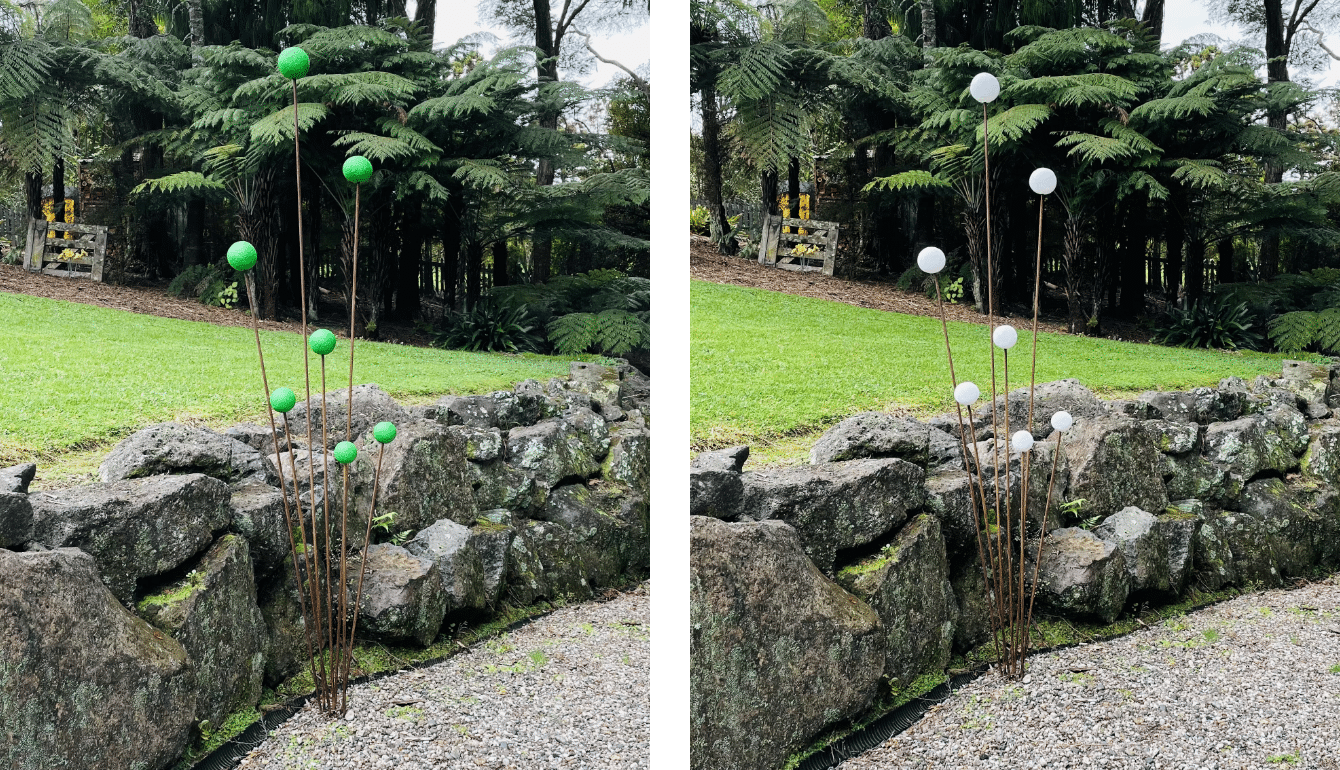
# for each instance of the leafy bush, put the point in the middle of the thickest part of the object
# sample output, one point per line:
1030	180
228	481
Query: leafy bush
207	283
1299	311
490	327
1212	322
700	221
603	311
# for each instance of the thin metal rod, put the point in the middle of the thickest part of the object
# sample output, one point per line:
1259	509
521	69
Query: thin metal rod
1037	287
308	559
283	491
367	537
962	437
993	552
326	523
353	303
1056	459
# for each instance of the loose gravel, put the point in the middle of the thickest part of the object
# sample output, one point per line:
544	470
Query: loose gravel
570	690
1250	683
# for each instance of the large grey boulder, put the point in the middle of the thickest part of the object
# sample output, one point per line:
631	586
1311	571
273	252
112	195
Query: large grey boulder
481	444
472	411
1048	399
1156	549
1322	457
634	390
1302	519
171	448
371	406
1308	380
307	467
403	596
875	434
134	529
1048	482
950	497
16	478
835	506
570	447
602	383
1258	442
286	633
973	626
1201	405
777	651
1114	463
907	583
545	562
1082	574
471	561
424	476
629	458
212	612
715	488
608	526
258	515
1195	477
1213	563
521	407
1172	437
1235	548
84	684
499	485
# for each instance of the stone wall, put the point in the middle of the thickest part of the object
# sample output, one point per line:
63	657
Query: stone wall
136	609
810	584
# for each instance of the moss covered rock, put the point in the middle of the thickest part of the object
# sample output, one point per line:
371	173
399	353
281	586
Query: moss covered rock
134	529
212	611
1082	574
424	476
172	448
777	651
403	596
471	561
907	583
1114	463
84	684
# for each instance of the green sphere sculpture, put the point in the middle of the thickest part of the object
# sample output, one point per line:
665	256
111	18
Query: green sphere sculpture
321	342
384	432
358	169
283	399
345	452
242	256
293	63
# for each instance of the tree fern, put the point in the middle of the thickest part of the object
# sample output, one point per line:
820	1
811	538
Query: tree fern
277	128
1293	332
574	333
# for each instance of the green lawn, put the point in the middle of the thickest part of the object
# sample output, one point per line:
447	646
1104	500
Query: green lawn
77	377
766	365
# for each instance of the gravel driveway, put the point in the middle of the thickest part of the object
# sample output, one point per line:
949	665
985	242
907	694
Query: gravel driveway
1250	683
570	690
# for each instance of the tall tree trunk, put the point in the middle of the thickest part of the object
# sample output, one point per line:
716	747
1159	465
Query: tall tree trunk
1153	18
58	188
197	20
768	187
793	188
451	249
411	248
1172	282
927	24
32	193
874	24
500	277
1225	273
547	72
1195	266
1133	258
1073	256
347	266
712	162
315	259
1277	70
425	13
474	268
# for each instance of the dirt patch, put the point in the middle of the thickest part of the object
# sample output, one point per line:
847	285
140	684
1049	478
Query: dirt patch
707	264
154	300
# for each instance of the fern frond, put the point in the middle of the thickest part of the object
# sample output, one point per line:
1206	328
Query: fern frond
916	179
573	333
1292	332
277	128
182	182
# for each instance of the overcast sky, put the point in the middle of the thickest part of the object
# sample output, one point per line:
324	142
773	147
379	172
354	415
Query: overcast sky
1185	18
458	18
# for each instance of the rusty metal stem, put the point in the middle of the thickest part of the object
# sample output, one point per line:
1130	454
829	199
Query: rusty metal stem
353	303
326	526
362	567
279	458
1037	563
308	560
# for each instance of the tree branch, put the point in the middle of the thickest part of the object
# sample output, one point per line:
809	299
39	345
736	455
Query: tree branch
641	84
1321	41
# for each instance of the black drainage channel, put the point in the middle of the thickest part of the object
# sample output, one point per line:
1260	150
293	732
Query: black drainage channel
231	753
886	726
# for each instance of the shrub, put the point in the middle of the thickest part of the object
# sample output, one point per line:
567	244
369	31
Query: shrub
1211	322
490	327
207	283
700	221
603	311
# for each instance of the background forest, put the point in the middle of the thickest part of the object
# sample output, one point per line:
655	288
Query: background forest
509	208
1197	194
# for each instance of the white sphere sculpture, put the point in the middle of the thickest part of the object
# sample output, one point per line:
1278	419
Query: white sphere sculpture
985	88
1062	420
1021	441
1042	181
1005	337
931	260
967	393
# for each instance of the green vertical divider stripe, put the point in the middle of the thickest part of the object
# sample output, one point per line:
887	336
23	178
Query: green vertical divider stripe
670	346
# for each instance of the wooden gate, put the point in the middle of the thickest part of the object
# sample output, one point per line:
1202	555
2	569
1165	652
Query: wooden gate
778	248
78	255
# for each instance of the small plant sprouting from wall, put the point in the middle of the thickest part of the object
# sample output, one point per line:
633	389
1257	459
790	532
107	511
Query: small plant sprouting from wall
318	545
1002	538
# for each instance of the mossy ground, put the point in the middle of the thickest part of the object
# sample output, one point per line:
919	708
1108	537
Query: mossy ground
1049	632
